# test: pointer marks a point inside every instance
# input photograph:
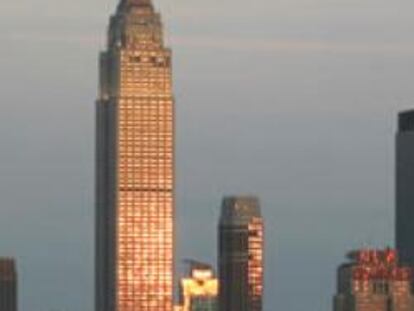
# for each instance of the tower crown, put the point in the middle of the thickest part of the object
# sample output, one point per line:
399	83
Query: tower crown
136	24
240	209
406	121
136	3
139	2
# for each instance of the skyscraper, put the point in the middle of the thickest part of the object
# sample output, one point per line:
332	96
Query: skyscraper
374	280
135	165
240	259
8	285
405	187
199	289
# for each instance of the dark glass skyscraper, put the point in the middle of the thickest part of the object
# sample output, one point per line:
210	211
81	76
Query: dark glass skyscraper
240	255
405	187
8	285
135	165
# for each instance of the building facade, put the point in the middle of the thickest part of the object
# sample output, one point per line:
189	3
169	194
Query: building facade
241	253
373	280
8	285
405	187
135	165
199	289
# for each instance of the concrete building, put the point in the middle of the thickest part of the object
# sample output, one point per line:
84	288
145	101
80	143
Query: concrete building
405	187
241	248
373	280
199	289
8	285
135	165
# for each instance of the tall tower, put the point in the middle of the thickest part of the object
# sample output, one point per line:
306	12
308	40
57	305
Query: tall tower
241	255
405	187
135	165
8	285
373	280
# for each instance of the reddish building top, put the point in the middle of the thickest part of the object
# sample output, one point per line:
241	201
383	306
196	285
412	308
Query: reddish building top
7	269
369	264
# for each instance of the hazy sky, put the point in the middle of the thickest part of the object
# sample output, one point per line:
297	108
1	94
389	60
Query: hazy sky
292	100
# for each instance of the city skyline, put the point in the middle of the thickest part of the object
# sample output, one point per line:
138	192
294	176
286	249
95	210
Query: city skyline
312	128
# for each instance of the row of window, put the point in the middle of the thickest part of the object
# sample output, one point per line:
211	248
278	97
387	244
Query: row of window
144	115
140	164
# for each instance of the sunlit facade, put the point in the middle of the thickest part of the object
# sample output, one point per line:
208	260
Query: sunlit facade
241	255
135	165
8	285
199	290
374	280
255	264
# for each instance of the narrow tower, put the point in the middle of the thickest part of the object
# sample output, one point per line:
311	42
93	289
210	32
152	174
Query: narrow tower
135	165
241	255
405	187
8	285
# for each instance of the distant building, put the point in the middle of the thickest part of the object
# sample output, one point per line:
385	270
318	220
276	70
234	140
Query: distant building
405	187
373	280
241	255
135	170
8	285
199	290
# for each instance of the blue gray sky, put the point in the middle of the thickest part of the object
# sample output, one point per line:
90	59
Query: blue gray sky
291	100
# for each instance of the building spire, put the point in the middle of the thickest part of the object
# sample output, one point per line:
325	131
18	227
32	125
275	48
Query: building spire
138	2
124	4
